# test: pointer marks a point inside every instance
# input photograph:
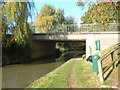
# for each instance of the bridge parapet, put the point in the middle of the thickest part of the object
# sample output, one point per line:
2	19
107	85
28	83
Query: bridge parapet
100	27
77	28
73	35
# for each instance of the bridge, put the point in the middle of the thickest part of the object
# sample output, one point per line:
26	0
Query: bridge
44	43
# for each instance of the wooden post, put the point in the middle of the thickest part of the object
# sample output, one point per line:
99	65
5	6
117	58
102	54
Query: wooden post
100	71
112	57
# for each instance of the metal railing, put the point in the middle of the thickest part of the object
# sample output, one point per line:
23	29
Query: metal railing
100	27
56	28
77	28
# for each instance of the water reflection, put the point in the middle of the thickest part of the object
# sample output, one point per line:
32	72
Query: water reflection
21	75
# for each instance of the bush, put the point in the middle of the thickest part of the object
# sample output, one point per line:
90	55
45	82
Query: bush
16	53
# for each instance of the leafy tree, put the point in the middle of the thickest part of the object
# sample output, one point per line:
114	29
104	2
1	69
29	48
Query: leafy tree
48	18
59	16
101	12
70	23
16	31
15	26
69	20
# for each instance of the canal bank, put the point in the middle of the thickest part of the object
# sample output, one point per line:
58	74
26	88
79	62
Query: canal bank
75	70
55	79
25	73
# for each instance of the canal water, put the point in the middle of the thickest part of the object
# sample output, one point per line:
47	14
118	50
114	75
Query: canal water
21	75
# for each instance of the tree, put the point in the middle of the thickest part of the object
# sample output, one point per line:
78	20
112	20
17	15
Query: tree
69	20
59	16
101	12
15	26
48	18
70	23
16	31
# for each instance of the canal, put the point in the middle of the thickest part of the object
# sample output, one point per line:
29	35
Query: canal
21	75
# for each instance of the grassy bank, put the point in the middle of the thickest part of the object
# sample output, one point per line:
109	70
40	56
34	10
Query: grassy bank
84	75
111	76
113	79
59	79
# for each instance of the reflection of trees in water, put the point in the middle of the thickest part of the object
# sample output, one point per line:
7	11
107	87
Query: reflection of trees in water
70	49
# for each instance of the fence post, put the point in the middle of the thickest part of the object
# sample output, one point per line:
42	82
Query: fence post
100	71
112	57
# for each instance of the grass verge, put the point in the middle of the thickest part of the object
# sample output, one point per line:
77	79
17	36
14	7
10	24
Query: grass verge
58	79
84	75
113	79
111	76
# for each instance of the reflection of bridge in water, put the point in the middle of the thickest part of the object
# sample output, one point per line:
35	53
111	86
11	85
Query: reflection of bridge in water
44	43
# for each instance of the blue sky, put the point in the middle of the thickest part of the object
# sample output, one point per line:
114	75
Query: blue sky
69	6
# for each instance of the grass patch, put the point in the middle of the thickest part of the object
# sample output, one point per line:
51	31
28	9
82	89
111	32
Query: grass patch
113	78
59	79
84	75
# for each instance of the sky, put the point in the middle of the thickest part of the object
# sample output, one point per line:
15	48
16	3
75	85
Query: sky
69	6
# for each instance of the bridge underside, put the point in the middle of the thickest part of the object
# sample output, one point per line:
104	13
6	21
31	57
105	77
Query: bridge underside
47	48
42	49
60	40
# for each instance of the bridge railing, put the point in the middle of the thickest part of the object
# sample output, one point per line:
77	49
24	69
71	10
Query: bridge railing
100	27
56	28
77	28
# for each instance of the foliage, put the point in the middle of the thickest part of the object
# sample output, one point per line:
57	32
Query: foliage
15	22
62	46
70	49
70	24
16	53
101	12
58	53
48	18
71	46
16	31
69	20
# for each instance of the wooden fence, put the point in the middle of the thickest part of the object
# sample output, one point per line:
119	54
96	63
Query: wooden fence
111	64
